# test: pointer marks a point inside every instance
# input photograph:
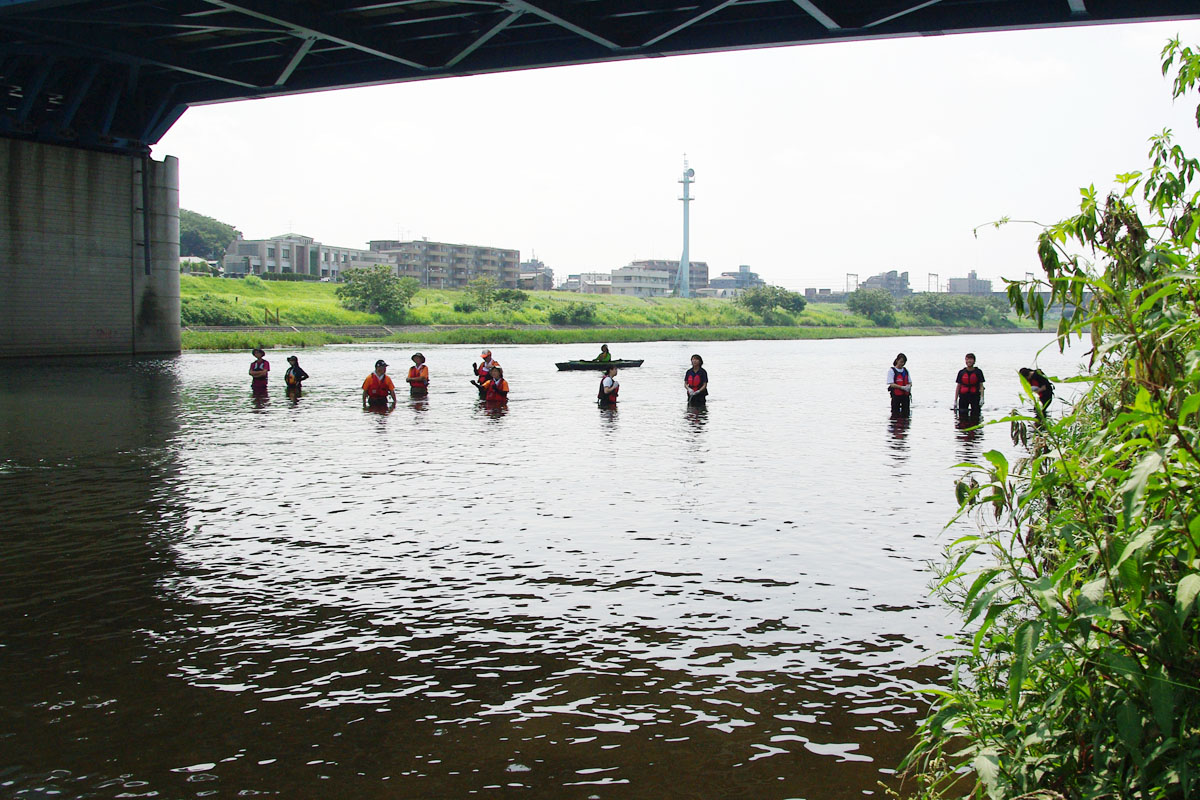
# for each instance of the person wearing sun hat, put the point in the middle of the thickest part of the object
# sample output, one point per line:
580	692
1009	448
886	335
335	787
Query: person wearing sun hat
378	388
259	369
418	376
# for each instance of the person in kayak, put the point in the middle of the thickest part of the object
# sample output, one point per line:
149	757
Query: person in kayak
606	396
378	388
259	369
968	390
1041	387
899	385
695	380
604	354
495	388
294	376
418	376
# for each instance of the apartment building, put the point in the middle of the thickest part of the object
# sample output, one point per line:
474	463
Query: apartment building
443	265
697	272
291	252
640	281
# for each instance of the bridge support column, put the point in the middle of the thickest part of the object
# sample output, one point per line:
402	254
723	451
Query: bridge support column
89	252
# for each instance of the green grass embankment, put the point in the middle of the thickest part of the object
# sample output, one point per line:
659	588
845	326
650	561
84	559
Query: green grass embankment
311	303
248	302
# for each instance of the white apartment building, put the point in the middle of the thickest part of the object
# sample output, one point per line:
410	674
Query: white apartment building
640	281
292	252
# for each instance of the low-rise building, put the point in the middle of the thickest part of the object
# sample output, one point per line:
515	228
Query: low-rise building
742	279
443	265
969	285
291	252
536	276
894	282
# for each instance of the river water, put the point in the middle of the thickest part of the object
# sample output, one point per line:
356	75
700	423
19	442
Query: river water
204	593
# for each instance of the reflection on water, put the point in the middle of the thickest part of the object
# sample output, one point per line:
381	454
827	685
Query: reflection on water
898	425
970	430
300	598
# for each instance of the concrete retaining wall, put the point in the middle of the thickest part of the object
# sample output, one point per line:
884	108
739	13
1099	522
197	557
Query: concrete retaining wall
74	274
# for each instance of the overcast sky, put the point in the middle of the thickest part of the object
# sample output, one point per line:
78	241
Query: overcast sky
811	162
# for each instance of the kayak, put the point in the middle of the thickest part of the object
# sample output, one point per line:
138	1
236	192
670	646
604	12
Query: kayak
618	363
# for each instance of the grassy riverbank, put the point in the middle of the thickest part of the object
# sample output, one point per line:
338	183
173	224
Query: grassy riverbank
307	303
244	340
252	301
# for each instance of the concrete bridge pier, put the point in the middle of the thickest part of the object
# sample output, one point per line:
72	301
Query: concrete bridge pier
89	252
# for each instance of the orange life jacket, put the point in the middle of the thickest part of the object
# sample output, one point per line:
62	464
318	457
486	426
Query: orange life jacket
377	388
420	375
496	393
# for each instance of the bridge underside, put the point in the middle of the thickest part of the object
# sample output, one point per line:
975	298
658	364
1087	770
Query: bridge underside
116	74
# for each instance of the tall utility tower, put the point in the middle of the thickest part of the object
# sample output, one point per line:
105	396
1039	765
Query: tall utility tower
931	283
684	286
850	275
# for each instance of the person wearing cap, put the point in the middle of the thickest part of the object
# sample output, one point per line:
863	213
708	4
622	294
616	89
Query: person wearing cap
378	387
495	388
294	375
259	369
418	375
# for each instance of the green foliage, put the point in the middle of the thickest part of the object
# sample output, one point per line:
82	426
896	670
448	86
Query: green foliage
513	298
877	305
958	310
203	237
769	301
1078	670
209	310
482	291
252	281
377	290
573	314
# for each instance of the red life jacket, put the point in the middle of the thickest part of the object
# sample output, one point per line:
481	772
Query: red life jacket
969	382
901	379
485	369
376	388
694	380
611	397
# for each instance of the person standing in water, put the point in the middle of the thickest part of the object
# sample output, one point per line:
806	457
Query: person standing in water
968	390
258	370
483	371
294	376
378	388
495	388
609	388
1041	387
900	385
418	376
695	380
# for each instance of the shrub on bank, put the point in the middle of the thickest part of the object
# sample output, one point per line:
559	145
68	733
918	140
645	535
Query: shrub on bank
209	310
1077	673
